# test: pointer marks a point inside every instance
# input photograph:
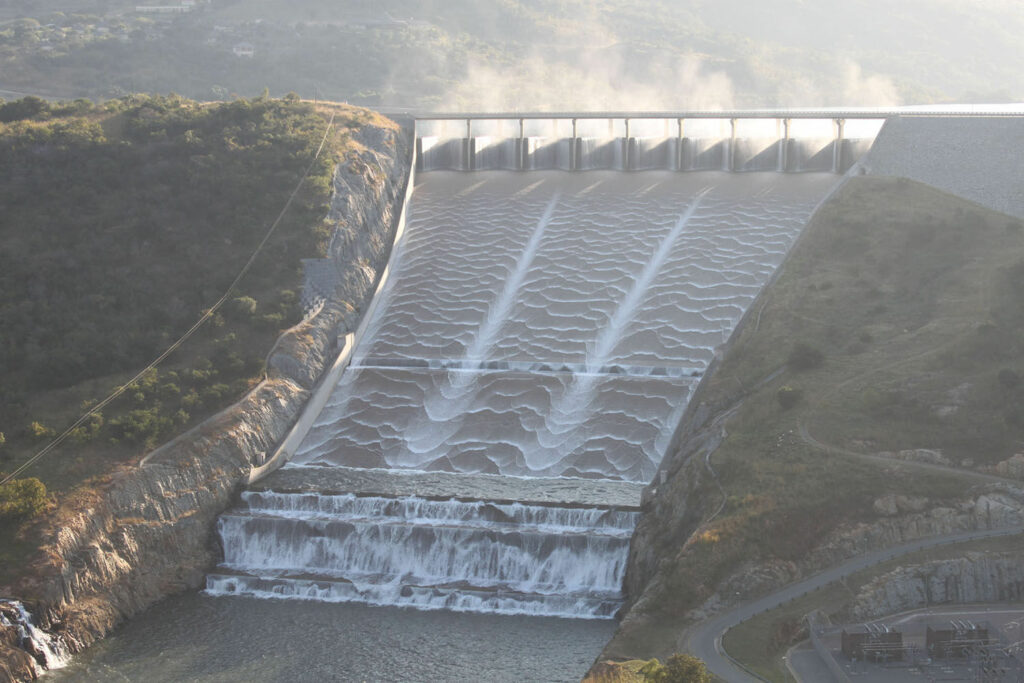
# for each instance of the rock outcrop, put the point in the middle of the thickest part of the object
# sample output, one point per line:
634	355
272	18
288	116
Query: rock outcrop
15	663
975	577
146	532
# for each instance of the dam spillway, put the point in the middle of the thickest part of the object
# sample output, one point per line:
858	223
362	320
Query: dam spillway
634	283
517	382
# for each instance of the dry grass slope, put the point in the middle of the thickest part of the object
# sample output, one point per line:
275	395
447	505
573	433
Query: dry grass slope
896	325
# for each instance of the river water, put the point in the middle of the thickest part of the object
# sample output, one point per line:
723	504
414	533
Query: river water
197	637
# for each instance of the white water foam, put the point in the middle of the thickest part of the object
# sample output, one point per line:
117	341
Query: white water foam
48	651
476	556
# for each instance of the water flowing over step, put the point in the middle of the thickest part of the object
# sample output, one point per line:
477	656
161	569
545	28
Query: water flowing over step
509	558
528	366
560	491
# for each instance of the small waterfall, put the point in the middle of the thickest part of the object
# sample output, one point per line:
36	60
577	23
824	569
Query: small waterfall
508	558
48	651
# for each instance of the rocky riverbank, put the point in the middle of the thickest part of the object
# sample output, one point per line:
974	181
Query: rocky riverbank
143	533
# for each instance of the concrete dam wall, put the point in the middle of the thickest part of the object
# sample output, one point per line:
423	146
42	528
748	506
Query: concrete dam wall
515	387
674	144
977	158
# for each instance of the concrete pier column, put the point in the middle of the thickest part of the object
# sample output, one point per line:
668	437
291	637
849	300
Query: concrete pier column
419	153
521	152
574	148
784	146
625	149
679	146
730	164
837	153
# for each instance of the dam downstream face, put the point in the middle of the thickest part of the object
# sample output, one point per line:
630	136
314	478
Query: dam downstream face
554	324
517	383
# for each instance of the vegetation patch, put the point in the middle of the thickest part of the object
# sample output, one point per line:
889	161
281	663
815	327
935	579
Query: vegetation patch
122	224
21	499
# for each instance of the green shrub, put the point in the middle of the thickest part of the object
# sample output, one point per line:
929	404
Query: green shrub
678	669
40	431
212	395
788	396
242	308
272	321
22	498
1008	379
89	430
804	357
26	108
141	426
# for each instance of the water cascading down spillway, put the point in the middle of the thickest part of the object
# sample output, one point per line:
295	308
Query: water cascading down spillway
518	383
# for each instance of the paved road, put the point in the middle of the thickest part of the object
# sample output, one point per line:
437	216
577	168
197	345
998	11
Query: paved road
705	640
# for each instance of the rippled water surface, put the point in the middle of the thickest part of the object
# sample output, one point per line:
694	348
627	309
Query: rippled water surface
209	639
554	324
536	327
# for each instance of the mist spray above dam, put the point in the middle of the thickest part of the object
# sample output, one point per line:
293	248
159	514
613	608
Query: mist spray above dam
528	361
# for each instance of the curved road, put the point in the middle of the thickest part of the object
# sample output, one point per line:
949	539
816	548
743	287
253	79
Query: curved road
705	640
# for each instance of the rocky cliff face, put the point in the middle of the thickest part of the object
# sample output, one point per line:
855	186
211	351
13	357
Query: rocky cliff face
976	577
146	532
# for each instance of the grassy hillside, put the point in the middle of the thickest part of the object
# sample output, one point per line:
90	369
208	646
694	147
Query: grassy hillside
122	224
896	325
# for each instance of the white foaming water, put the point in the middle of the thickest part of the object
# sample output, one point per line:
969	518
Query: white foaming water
565	346
498	312
48	651
472	556
575	405
452	399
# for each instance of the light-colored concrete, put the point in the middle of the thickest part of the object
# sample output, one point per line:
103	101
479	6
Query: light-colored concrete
322	393
313	407
978	158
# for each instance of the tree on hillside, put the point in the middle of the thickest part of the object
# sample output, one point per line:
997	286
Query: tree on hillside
678	669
